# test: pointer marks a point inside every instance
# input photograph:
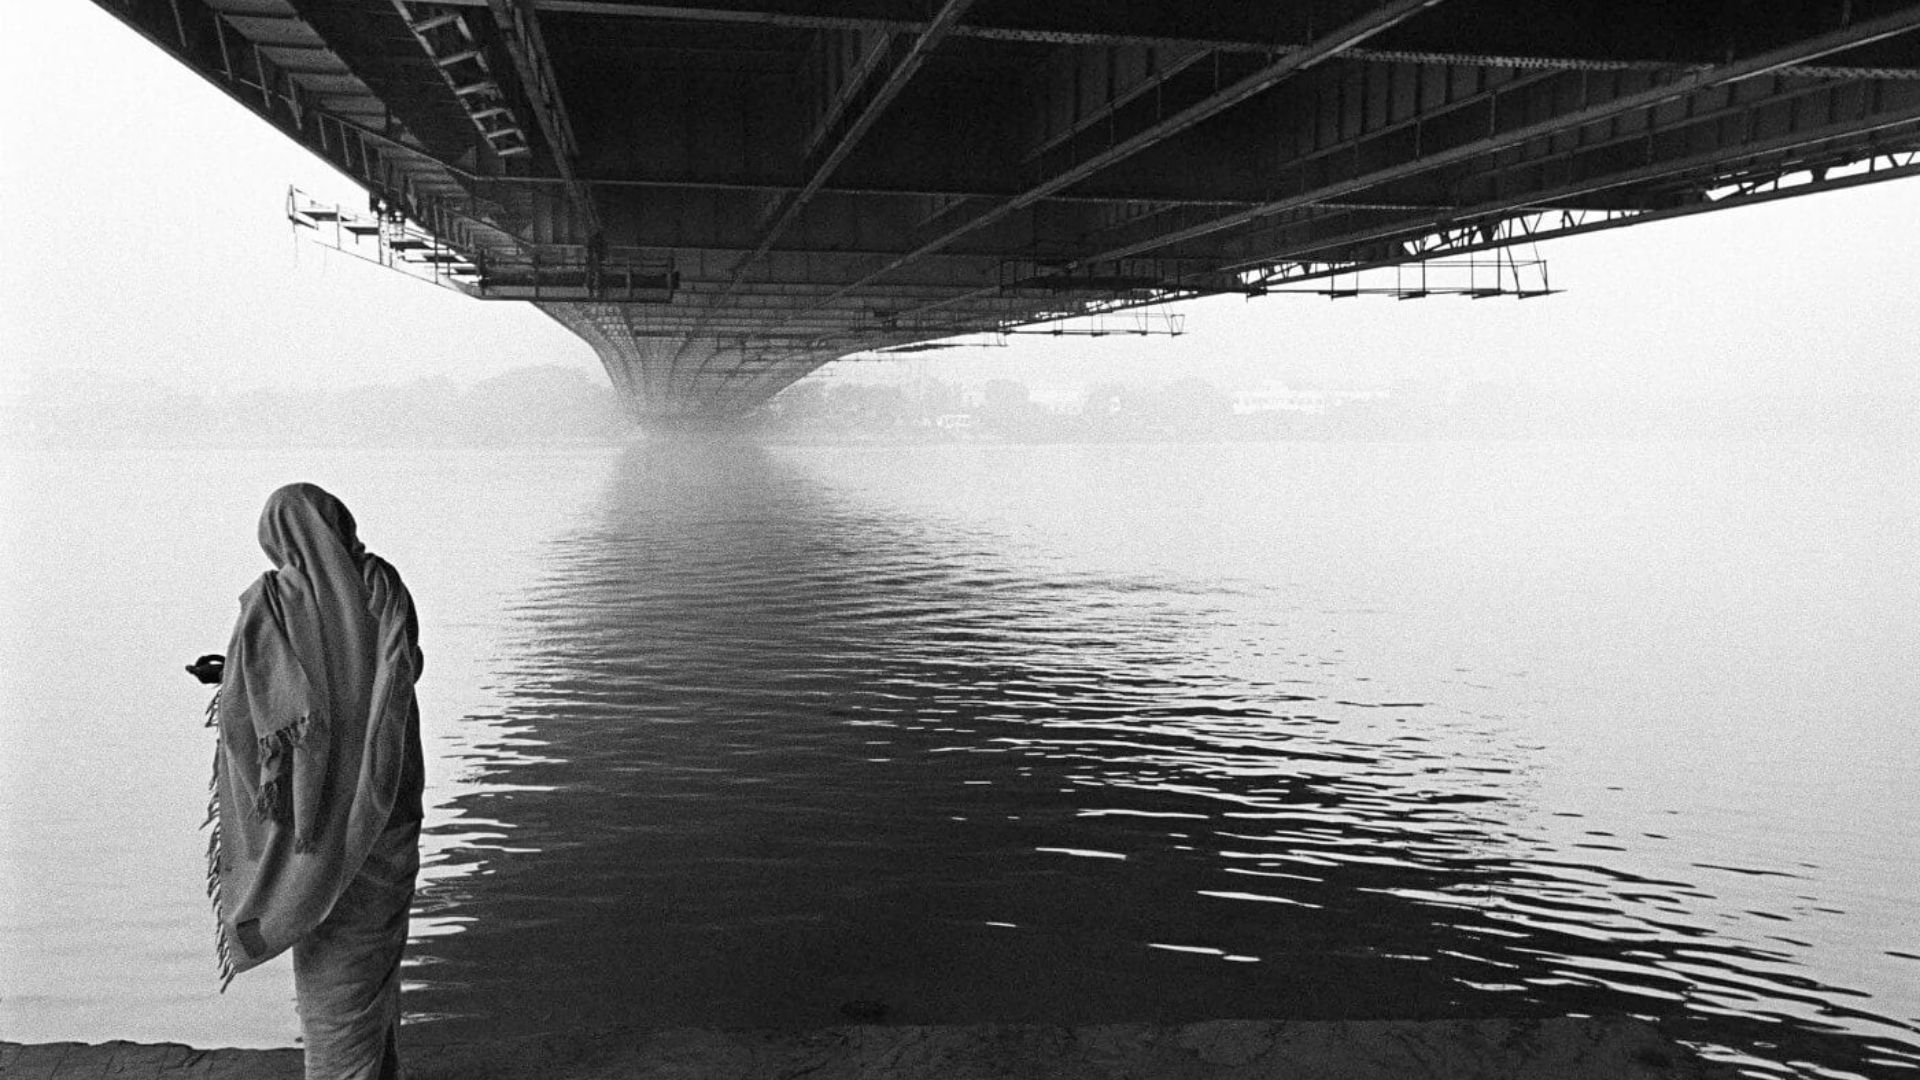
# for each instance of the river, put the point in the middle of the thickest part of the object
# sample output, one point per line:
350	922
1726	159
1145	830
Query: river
731	736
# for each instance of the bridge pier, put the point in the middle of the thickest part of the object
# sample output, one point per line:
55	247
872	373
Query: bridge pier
676	383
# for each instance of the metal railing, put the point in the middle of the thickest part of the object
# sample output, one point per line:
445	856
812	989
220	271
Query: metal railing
535	272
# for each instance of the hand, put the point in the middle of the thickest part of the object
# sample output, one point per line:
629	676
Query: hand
208	668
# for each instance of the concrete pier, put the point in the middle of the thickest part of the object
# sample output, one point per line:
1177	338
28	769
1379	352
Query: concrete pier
1560	1049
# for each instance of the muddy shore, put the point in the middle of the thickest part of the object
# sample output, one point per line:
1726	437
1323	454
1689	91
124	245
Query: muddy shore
1560	1049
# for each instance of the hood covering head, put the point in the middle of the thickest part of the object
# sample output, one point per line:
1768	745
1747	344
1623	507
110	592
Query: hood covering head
314	712
304	522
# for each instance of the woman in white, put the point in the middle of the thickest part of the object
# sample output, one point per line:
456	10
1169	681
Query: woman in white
317	782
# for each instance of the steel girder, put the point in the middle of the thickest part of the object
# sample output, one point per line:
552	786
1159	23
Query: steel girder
790	185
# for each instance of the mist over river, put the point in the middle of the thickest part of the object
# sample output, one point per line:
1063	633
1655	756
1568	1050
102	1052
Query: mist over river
735	736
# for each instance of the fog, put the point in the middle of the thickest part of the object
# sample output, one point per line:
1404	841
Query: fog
1622	579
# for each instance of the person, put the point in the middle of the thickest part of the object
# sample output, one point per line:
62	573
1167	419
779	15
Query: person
317	781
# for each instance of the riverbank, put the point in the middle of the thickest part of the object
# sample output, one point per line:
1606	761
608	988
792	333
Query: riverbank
1561	1049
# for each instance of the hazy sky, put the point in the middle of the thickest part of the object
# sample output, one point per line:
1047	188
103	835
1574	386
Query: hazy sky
144	233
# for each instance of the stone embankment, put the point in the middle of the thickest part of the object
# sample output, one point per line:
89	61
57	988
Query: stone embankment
1564	1049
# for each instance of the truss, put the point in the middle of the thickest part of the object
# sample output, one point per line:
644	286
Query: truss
721	195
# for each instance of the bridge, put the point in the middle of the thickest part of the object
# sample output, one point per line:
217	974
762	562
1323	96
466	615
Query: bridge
722	195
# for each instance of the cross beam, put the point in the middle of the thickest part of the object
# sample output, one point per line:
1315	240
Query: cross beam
1861	33
1345	37
943	23
520	29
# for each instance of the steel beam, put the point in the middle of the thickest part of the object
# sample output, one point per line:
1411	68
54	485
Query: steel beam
1729	133
1251	44
1850	37
870	64
1765	63
1705	168
1536	235
1145	177
931	190
1503	209
1385	16
520	29
923	46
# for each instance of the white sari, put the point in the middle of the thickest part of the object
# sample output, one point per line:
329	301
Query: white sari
317	720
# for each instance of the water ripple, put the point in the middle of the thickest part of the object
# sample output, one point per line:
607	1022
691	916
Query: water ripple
767	748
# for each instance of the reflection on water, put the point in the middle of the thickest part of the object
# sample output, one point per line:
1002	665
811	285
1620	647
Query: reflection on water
766	745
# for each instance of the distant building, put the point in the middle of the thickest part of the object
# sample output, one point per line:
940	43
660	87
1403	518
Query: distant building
1275	397
1058	400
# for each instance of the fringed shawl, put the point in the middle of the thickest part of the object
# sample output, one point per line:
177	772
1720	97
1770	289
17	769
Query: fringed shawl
313	713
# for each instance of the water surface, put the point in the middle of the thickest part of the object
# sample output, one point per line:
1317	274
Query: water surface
729	736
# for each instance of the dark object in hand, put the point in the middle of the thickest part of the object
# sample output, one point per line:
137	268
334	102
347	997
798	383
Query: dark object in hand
208	668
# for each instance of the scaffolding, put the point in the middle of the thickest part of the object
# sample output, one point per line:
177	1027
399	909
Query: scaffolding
1500	272
385	237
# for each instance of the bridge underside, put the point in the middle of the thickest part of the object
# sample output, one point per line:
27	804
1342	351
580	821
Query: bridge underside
721	195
